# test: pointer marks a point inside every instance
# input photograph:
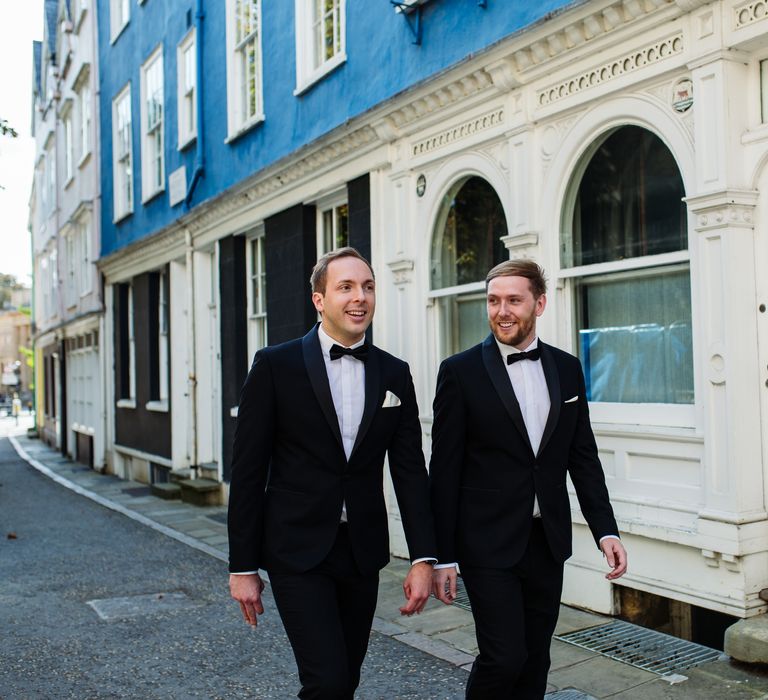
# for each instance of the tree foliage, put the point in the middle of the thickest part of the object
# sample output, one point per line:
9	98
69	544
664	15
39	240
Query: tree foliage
7	130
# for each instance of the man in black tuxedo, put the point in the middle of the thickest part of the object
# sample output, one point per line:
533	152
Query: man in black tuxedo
316	417
510	421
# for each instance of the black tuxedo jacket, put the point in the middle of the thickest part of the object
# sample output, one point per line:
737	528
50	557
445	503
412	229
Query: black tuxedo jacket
290	474
484	474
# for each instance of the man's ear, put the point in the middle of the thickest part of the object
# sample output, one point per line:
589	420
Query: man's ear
317	300
541	304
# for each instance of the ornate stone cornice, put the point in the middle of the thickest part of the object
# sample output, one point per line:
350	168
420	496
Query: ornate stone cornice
446	95
562	40
460	131
144	254
282	175
749	13
599	75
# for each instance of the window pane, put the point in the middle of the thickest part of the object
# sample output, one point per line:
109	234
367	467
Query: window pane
629	202
342	226
467	241
463	321
635	339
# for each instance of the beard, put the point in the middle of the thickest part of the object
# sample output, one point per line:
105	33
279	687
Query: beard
525	326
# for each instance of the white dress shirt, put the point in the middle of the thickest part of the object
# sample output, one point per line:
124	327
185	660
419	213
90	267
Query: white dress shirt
530	387
346	377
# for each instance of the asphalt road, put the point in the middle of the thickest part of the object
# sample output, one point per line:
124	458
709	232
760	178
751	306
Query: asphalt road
58	551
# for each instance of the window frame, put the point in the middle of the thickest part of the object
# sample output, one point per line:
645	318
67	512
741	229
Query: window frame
184	93
160	365
129	330
68	136
119	17
85	115
258	332
72	284
615	413
237	124
122	161
81	7
329	203
85	232
307	72
152	133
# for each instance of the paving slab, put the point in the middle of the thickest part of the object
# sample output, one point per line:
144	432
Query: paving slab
564	655
600	676
572	619
463	638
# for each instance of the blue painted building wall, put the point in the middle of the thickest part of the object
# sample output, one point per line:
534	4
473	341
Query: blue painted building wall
382	61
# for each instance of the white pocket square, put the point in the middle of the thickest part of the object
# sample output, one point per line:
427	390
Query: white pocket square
390	400
571	400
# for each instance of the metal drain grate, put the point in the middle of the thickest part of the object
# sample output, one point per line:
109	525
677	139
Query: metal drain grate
568	694
462	599
642	648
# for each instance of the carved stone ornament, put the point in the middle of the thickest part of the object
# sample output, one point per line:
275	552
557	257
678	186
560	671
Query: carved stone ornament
749	13
606	72
402	270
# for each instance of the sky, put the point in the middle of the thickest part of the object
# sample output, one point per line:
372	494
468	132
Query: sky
22	23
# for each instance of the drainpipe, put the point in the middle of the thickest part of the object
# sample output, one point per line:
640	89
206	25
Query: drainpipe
192	358
199	156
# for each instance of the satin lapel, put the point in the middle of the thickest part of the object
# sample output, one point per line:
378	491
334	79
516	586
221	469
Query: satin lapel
494	365
318	377
372	381
553	385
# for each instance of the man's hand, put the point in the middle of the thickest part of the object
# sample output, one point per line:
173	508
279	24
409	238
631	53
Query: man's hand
417	587
616	556
246	589
444	584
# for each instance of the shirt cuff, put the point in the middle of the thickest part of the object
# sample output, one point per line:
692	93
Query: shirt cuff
446	566
243	573
429	560
608	537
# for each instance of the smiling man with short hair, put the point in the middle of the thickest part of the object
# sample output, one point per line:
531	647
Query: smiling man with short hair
511	420
317	416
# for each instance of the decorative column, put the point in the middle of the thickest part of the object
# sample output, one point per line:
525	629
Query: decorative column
728	388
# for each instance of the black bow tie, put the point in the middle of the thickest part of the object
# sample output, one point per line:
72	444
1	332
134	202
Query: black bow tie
534	354
360	352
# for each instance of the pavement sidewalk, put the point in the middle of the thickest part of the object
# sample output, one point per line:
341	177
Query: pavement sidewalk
444	632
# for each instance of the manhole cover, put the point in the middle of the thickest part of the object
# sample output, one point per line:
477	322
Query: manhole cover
109	609
642	648
568	694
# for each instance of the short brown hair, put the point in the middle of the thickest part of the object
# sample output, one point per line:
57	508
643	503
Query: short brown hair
320	270
520	268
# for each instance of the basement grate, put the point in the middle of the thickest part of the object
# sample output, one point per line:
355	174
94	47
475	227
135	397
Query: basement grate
462	599
568	694
642	648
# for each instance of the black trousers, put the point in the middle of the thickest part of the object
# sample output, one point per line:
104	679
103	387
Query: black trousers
327	614
515	613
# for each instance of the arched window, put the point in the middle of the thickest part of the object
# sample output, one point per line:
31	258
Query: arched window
626	249
466	244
